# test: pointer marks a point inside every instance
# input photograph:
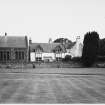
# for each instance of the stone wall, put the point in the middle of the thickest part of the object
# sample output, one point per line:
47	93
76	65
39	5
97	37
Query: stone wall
12	55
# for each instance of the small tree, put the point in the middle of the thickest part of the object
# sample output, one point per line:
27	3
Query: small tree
90	48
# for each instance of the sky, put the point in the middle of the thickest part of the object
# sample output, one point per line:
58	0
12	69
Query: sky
44	19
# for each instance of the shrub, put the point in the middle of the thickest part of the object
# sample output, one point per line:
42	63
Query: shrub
76	59
67	58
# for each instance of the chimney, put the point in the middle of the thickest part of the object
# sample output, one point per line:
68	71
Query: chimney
5	34
78	38
50	40
30	41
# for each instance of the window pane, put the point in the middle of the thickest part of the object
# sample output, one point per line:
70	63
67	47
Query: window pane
1	55
22	55
19	55
4	55
16	55
8	57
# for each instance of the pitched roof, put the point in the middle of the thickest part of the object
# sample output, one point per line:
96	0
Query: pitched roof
69	46
47	47
13	42
60	48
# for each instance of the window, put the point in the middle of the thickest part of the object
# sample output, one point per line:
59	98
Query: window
1	55
22	55
58	56
38	56
58	59
8	56
16	55
19	55
38	59
4	55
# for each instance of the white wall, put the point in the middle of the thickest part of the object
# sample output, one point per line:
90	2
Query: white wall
44	55
32	56
48	55
76	51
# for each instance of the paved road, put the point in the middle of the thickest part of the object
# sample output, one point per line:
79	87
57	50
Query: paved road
53	87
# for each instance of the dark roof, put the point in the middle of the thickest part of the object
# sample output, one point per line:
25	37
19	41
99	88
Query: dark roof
69	46
13	42
47	47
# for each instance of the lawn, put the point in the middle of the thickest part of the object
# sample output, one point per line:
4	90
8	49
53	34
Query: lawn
60	85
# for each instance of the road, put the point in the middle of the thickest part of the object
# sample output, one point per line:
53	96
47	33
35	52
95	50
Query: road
73	85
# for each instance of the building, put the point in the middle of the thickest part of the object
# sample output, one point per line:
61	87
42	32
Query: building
75	49
54	51
46	51
13	49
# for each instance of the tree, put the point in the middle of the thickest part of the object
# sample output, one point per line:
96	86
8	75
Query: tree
66	42
102	47
62	40
101	51
90	48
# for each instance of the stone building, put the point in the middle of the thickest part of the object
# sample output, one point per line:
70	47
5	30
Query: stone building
13	49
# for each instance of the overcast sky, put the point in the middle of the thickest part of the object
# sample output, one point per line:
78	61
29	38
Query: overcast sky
44	19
